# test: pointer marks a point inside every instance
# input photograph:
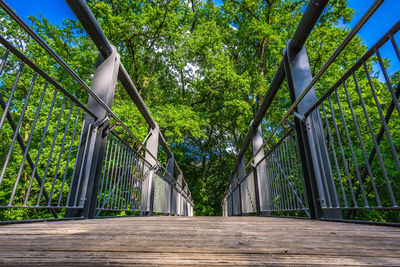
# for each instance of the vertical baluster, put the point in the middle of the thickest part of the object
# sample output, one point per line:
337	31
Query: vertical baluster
378	105
334	155
272	178
283	170
296	174
395	46
11	96
131	181
139	176
73	176
136	182
85	137
342	152
110	168
368	167
376	145
103	176
60	154
123	201
280	166
298	171
40	148
16	132
120	180
291	180
21	167
278	183
351	150
289	175
4	61
69	158
124	177
113	171
277	158
387	80
51	152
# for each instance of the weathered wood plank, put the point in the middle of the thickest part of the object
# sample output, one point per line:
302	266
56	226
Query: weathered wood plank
198	241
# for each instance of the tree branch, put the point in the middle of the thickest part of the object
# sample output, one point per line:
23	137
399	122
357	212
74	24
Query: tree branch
157	32
245	8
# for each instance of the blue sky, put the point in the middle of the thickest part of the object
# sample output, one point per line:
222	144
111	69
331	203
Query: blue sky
57	10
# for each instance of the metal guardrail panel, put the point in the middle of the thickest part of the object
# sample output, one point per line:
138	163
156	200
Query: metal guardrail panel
124	171
361	113
247	191
60	142
351	153
41	122
162	195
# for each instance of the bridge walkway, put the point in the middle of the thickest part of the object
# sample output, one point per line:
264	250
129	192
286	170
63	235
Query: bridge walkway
198	241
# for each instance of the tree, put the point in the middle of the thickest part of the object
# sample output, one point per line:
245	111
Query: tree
202	70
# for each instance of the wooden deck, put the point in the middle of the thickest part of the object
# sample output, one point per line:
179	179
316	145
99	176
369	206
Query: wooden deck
198	241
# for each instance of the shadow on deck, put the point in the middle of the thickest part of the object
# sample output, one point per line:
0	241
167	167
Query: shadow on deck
198	240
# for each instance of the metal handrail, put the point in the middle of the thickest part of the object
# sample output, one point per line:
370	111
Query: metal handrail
309	19
92	27
348	73
331	59
122	72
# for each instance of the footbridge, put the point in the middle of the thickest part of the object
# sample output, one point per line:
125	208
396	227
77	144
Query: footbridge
318	188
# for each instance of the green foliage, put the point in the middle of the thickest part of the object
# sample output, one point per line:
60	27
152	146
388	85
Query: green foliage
201	69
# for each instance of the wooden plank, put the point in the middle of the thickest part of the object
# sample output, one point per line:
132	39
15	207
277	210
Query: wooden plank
198	241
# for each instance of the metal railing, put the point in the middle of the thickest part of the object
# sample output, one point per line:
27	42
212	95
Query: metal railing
124	171
285	184
62	156
343	161
360	152
56	107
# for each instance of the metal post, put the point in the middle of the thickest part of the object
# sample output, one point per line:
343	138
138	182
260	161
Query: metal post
235	203
233	192
170	168
256	192
232	207
226	207
148	188
186	190
240	199
179	182
314	155
260	172
242	164
86	181
179	204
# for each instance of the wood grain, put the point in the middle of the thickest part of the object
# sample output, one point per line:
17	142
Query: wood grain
198	241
